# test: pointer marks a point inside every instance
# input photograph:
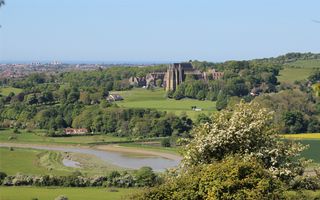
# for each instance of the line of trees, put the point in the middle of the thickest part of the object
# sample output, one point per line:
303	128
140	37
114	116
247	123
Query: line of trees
142	177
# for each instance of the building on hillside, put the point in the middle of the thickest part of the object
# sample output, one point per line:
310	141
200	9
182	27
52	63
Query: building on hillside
151	78
215	74
75	131
137	81
114	97
176	74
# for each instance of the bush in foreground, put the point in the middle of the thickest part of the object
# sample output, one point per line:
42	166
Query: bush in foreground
245	131
232	178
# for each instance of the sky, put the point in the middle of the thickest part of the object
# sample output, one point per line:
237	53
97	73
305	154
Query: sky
156	30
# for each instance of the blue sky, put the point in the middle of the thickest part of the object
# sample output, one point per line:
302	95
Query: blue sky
156	30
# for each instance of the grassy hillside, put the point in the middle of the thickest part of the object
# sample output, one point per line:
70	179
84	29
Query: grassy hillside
6	90
298	70
143	98
23	193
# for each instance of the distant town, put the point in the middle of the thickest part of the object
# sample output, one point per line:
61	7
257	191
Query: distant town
20	69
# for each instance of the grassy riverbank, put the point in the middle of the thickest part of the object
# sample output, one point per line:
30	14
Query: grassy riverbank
34	161
23	193
38	136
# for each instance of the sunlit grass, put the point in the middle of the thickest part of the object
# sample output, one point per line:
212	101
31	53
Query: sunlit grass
5	91
156	99
302	136
41	193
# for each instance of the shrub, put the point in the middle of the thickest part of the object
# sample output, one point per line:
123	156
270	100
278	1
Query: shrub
236	178
305	182
247	130
2	177
140	178
165	142
232	178
16	131
145	177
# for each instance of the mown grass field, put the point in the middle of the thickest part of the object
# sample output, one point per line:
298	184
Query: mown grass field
156	99
28	193
298	70
5	91
37	136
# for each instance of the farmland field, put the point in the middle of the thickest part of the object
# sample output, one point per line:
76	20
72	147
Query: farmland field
313	152
298	70
156	99
23	193
302	136
311	139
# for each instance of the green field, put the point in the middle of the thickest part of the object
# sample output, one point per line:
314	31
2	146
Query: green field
311	139
27	161
33	161
6	90
302	136
143	98
298	70
37	136
28	193
50	193
313	152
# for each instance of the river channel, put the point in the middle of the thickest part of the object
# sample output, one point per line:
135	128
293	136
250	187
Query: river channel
124	160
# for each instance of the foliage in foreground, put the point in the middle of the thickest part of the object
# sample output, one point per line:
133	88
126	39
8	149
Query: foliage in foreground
247	132
232	178
235	155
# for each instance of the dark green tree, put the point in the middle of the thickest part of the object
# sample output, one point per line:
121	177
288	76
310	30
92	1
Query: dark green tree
222	100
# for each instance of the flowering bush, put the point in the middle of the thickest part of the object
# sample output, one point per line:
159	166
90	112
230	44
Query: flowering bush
247	132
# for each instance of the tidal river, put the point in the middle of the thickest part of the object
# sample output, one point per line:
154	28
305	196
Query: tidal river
122	159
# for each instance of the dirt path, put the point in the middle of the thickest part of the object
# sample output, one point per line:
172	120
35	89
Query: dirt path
113	148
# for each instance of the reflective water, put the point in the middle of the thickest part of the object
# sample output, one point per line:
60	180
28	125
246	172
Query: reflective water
124	160
70	163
